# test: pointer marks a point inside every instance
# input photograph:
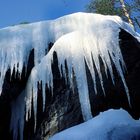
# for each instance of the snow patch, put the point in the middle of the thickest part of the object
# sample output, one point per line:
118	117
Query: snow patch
109	125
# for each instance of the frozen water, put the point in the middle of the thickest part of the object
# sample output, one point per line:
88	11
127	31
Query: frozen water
77	38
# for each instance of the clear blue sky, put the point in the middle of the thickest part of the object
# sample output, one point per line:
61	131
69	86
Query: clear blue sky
15	11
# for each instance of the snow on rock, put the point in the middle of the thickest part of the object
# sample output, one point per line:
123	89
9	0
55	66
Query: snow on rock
77	38
109	125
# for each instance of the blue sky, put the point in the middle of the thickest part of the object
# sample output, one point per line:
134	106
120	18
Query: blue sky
16	11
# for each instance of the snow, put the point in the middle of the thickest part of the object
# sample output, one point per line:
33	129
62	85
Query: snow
77	38
109	125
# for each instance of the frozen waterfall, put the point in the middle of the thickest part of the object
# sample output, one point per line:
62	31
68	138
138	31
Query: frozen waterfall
78	39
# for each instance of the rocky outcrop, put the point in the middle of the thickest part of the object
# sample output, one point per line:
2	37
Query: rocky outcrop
63	108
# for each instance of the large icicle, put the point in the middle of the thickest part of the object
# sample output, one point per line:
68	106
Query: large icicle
16	42
86	44
17	117
76	48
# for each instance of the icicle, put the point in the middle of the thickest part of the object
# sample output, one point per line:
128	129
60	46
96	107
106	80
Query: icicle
83	46
17	117
17	42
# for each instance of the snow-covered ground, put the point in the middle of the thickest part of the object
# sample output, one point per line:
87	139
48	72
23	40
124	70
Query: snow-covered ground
109	125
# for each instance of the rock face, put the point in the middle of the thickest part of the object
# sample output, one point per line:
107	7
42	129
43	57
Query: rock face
63	108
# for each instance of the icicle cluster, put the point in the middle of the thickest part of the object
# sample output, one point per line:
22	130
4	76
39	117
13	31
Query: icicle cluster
75	48
77	38
17	116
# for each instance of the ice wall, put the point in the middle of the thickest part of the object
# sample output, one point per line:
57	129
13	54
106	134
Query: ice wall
77	38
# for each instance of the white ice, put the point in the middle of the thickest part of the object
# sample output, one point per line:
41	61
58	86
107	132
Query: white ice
95	38
16	42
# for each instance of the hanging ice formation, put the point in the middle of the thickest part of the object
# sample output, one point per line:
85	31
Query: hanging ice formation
78	38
